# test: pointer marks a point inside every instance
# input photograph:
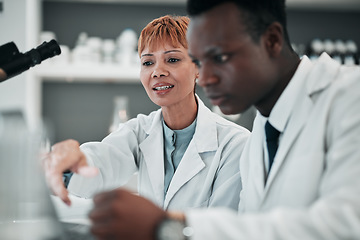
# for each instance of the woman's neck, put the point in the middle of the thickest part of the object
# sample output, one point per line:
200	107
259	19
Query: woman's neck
182	114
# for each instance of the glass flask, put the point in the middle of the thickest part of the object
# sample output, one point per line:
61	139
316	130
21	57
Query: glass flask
120	112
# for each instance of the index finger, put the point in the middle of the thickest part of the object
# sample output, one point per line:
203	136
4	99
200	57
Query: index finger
57	186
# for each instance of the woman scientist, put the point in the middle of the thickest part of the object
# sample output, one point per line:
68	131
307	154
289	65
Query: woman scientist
185	155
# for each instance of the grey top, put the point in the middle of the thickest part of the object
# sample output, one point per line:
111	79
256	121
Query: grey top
175	145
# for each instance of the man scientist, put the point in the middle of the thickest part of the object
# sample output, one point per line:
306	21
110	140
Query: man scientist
300	168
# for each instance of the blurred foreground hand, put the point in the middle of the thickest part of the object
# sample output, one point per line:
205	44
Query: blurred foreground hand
119	214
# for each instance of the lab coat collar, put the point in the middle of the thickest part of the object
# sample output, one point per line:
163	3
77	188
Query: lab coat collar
152	148
316	76
205	129
284	106
204	140
190	165
322	74
255	188
205	135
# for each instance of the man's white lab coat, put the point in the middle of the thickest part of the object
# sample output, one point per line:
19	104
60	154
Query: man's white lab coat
313	190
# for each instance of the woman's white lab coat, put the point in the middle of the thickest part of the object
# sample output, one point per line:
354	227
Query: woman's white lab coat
208	174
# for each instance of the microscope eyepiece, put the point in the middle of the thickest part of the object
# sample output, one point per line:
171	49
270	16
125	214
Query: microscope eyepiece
12	62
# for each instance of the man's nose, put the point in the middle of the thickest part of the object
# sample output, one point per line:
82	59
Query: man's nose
207	77
159	71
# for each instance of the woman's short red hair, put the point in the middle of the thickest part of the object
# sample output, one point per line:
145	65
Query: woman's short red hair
167	29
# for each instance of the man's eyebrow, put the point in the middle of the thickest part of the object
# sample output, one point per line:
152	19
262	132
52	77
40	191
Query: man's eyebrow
191	56
208	52
213	50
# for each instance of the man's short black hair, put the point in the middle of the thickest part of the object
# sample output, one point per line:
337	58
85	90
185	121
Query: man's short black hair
257	14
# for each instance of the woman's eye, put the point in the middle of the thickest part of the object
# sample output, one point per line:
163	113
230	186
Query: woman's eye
221	58
147	63
173	60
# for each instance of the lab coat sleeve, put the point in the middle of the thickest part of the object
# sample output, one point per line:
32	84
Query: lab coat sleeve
334	215
115	156
227	183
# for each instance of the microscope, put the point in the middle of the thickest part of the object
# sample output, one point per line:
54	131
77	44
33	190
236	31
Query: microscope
13	62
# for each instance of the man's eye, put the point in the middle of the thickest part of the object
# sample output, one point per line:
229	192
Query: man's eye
147	63
221	58
196	62
173	60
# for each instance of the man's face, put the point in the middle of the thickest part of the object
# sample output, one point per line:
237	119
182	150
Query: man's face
235	72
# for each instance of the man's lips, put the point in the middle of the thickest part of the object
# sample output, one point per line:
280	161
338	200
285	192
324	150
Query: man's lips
216	100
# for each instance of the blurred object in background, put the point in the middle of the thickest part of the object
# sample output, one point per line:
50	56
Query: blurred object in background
345	52
340	51
315	48
329	47
352	53
26	210
46	36
64	58
120	113
126	47
82	39
108	51
95	50
299	49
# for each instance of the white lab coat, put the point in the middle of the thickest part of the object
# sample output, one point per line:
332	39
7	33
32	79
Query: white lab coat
313	190
208	174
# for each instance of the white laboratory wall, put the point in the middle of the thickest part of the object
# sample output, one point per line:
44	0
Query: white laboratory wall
12	25
19	22
39	96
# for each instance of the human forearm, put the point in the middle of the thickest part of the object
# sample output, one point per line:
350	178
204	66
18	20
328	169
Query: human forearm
320	222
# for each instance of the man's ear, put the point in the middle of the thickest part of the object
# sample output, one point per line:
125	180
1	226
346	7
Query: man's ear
274	39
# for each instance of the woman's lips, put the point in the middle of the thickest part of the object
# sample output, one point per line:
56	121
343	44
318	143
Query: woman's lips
160	88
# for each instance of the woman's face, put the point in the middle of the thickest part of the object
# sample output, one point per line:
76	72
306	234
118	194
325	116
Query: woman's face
167	74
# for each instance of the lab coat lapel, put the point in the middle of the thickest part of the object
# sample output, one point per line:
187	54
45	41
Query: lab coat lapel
204	140
255	181
321	77
154	157
293	128
190	165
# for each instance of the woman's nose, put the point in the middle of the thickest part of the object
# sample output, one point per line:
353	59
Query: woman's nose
159	71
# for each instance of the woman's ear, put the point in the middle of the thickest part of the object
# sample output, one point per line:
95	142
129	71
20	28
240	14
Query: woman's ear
196	76
274	39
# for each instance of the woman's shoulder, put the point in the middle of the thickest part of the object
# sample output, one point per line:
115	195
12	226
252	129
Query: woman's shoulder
145	121
209	116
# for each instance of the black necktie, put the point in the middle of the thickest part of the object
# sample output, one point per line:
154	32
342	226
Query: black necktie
272	136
